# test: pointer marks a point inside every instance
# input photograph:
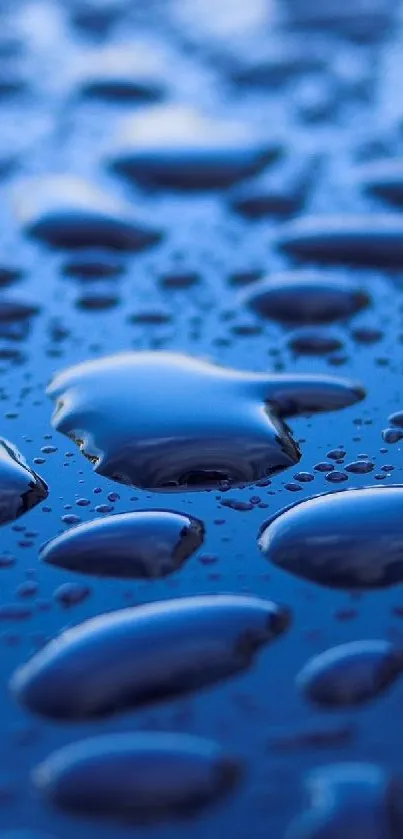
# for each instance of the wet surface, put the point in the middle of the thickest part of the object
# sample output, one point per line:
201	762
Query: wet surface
158	163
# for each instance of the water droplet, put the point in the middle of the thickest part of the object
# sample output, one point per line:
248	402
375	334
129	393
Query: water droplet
128	658
384	179
368	240
396	419
305	297
141	777
348	540
20	488
392	435
313	342
186	423
350	800
71	594
93	264
124	76
351	674
70	213
278	193
193	152
151	543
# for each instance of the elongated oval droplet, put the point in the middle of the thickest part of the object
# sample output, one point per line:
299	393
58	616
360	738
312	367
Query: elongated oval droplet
383	178
347	540
129	658
164	421
368	240
71	213
147	544
141	777
351	674
176	147
20	488
305	298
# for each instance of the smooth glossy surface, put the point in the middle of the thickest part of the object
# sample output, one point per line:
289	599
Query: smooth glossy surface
351	674
368	240
20	488
69	213
178	148
165	421
347	540
141	777
305	298
135	656
148	544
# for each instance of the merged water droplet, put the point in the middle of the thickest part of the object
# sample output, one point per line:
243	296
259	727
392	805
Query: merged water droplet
176	147
351	674
165	421
349	540
368	240
305	298
20	487
128	658
140	777
147	544
68	212
350	800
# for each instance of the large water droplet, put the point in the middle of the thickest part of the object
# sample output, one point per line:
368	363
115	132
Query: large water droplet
151	543
348	540
128	658
143	777
20	488
71	213
178	148
305	298
369	240
165	421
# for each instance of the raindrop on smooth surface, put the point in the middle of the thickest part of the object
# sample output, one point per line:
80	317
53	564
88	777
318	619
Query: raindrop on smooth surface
137	777
129	658
348	540
146	544
351	674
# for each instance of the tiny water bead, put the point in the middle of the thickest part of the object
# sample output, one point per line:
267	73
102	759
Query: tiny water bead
158	420
20	487
146	544
351	674
137	777
347	540
139	655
